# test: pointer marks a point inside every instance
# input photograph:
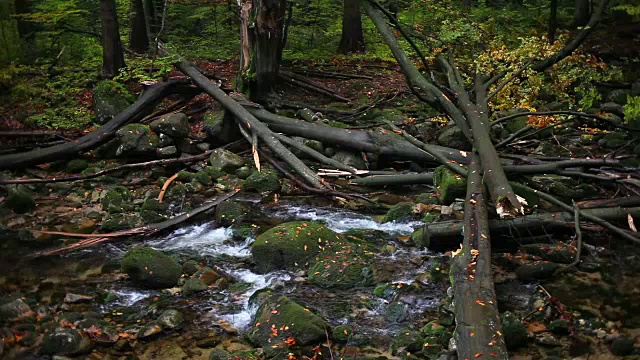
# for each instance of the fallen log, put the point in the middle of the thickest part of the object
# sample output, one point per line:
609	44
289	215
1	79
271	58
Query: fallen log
248	121
312	87
447	235
94	239
389	180
147	101
478	331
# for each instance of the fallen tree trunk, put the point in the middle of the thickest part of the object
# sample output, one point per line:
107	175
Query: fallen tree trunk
137	110
248	121
377	142
478	331
447	235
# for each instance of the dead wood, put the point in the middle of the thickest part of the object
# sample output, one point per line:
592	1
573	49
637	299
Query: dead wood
145	103
330	74
391	180
165	186
478	330
147	230
313	88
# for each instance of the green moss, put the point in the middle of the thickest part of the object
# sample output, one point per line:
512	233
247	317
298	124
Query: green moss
20	200
341	265
263	181
433	328
449	185
230	212
117	221
291	245
76	166
225	160
515	332
161	181
427	199
203	178
185	176
419	240
114	200
398	212
112	88
215	173
151	268
292	320
342	333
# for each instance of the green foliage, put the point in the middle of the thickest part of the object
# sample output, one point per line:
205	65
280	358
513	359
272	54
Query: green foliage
138	69
632	108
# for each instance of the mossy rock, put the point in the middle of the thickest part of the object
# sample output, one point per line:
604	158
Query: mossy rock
185	176
76	166
433	328
291	245
401	211
559	327
214	172
194	285
174	125
225	160
292	321
204	178
115	199
342	333
453	137
517	123
515	332
117	221
427	199
20	200
110	98
419	238
219	354
244	172
263	181
449	185
396	312
409	340
151	268
342	265
230	212
136	140
65	341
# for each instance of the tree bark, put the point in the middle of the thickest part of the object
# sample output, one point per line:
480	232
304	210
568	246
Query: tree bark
112	52
96	138
138	35
478	331
581	12
352	39
553	21
264	35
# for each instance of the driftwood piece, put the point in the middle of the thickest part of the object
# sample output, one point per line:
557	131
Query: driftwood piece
478	331
147	101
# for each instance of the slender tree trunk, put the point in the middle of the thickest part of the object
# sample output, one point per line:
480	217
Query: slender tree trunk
553	21
582	12
9	34
260	73
352	38
138	36
112	54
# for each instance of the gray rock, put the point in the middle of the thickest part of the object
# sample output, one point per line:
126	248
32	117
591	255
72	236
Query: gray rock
167	152
20	200
193	285
203	147
136	140
149	331
396	312
65	341
230	212
174	125
171	319
165	140
453	137
225	160
107	104
613	108
350	159
263	181
14	310
619	96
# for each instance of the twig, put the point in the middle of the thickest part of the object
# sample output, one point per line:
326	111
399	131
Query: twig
165	186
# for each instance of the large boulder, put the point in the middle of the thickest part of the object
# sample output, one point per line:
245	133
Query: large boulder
65	341
280	319
110	99
225	160
291	245
230	212
342	265
173	125
398	212
263	181
136	140
151	268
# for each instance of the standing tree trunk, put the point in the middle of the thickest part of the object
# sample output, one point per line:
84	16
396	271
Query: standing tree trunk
138	35
112	54
582	12
553	21
261	40
352	38
9	34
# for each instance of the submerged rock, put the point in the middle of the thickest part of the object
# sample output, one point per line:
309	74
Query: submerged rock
449	185
279	319
151	268
290	245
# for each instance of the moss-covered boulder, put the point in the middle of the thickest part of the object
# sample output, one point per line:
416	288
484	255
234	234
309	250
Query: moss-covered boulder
117	221
263	181
76	166
420	239
173	125
291	245
136	140
397	212
20	200
449	185
342	333
110	98
515	332
219	354
408	341
65	341
225	160
280	318
427	199
230	212
153	211
342	265
185	176
244	172
151	268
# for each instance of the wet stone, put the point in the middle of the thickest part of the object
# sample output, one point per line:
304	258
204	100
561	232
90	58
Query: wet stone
540	271
171	319
149	331
71	298
225	160
151	268
65	341
14	310
396	312
399	212
173	125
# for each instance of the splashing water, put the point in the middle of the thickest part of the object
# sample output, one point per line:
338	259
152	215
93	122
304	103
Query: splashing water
205	240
